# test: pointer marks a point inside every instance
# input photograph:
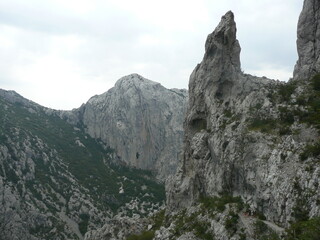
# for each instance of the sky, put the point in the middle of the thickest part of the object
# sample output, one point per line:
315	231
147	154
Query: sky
59	53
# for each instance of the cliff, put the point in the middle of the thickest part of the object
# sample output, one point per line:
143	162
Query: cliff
249	137
141	120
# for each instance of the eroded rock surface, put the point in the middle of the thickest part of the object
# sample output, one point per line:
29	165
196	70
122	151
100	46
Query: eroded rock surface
308	42
141	120
234	138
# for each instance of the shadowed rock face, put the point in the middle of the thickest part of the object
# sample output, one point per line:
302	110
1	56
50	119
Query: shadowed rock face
222	153
308	42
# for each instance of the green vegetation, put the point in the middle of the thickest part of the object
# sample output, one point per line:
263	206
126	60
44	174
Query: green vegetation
61	154
227	113
146	235
83	224
158	221
260	215
260	227
304	230
306	108
266	125
311	102
86	163
263	232
315	82
184	223
286	90
218	203
310	151
231	222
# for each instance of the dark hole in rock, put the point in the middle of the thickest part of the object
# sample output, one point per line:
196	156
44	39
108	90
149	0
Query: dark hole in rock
198	124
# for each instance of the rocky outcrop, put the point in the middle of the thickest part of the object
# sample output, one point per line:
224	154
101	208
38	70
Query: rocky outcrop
216	87
141	120
119	228
308	42
246	136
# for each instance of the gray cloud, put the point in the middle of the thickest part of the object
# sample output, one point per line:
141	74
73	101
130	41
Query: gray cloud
75	49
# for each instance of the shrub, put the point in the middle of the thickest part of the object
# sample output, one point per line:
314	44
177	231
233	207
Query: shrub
315	82
218	203
263	125
286	116
158	219
260	227
304	230
184	223
260	215
286	90
83	224
284	131
146	235
310	151
231	222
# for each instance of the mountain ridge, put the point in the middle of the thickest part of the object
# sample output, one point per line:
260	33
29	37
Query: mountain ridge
65	181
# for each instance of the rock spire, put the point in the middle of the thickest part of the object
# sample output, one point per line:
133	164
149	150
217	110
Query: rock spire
308	41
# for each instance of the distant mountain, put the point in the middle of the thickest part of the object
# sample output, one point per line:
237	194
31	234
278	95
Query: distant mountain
56	181
140	119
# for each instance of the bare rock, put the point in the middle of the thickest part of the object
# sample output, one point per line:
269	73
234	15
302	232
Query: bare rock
141	120
308	42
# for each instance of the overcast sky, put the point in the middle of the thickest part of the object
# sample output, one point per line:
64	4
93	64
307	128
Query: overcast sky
59	53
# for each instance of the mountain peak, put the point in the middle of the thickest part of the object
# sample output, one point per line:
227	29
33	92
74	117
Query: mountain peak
222	44
134	79
308	41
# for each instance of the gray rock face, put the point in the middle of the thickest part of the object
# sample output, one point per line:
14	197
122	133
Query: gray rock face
234	139
118	228
308	42
141	120
216	86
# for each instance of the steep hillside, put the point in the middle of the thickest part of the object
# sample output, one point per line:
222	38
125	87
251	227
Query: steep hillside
251	163
56	182
140	119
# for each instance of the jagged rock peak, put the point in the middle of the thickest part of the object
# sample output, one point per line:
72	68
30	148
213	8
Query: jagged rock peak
223	44
308	41
135	80
220	67
11	95
14	97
